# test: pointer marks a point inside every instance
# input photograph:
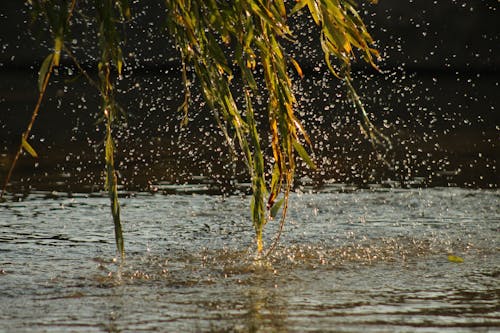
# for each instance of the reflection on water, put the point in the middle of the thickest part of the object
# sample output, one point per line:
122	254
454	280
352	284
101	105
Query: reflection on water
349	261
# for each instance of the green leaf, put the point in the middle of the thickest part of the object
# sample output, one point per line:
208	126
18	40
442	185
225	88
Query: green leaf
303	154
42	73
276	207
28	148
298	6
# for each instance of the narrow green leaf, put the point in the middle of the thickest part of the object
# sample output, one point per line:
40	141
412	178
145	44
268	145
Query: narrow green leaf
303	154
276	207
42	73
298	6
28	148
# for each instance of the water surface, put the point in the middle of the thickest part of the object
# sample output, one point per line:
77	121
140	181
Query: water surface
373	260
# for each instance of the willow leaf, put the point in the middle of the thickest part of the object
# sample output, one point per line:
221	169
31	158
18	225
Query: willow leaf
58	44
275	208
455	259
42	73
303	154
298	6
297	67
28	148
315	11
125	8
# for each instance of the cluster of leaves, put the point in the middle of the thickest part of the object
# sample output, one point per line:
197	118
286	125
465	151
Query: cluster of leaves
254	31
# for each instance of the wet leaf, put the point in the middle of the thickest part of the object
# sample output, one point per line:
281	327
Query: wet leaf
28	148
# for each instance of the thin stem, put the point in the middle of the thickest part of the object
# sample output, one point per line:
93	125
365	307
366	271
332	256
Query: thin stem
71	9
26	133
111	179
80	68
283	216
375	136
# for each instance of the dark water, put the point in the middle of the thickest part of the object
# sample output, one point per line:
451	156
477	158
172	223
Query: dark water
350	260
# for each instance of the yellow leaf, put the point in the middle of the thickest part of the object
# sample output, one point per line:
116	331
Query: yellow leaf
119	64
281	7
347	46
297	67
57	50
455	259
315	11
28	148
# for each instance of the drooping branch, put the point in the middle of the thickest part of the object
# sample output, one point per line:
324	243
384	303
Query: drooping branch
213	38
111	54
58	18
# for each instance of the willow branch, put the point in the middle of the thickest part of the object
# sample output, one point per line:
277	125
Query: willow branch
26	133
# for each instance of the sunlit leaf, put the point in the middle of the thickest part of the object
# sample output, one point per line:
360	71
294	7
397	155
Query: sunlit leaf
315	11
297	67
298	6
26	146
119	64
275	185
58	44
281	7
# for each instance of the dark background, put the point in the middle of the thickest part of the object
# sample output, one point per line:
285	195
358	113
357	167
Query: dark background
437	98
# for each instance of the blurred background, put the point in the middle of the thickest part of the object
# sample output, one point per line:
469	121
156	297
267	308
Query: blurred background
436	97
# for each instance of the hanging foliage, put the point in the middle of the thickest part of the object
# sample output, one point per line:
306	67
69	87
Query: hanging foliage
254	32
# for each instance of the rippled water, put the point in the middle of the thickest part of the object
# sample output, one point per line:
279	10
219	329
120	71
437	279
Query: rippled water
349	261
